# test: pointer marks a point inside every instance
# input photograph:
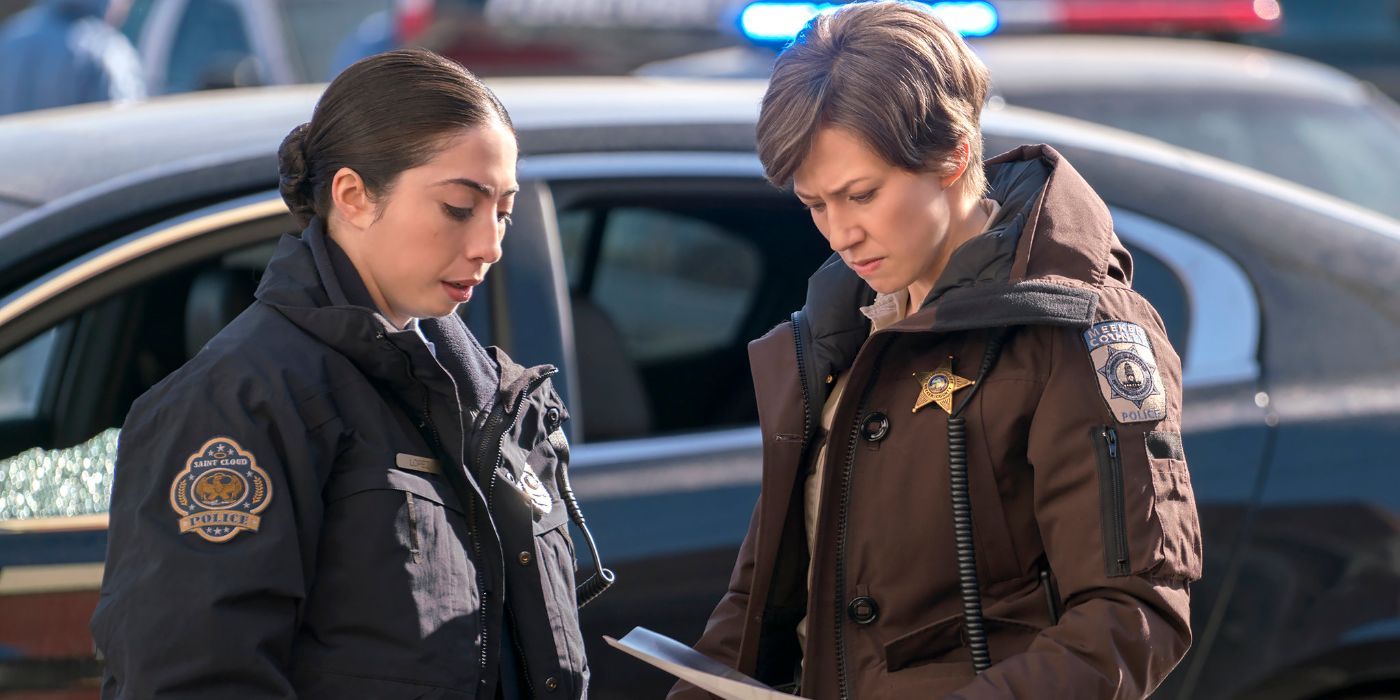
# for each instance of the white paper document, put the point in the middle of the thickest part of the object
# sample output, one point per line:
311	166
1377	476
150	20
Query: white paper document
689	665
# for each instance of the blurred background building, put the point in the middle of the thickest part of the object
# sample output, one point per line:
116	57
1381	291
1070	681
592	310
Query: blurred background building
200	44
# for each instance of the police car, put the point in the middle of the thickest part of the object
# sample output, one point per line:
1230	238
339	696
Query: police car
646	251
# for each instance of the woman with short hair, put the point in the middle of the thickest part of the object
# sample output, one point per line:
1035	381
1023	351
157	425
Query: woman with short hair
973	481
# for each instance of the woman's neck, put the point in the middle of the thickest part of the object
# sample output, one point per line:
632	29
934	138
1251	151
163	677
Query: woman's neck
971	224
352	253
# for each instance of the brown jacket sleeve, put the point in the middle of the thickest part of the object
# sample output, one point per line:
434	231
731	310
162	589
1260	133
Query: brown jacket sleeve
726	626
1126	621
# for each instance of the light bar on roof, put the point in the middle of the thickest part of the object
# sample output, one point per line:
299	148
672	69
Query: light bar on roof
770	22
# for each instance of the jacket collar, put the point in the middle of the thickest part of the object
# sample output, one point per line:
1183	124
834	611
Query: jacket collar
312	282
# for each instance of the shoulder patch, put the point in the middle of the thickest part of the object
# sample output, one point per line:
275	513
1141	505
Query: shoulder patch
221	491
1127	371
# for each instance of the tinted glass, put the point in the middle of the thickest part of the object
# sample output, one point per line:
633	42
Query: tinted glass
573	238
1160	286
670	281
673	285
63	466
21	377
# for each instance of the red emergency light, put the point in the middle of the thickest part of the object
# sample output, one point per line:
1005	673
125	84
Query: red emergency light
1213	16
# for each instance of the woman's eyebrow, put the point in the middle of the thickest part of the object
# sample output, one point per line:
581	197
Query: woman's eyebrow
487	190
839	190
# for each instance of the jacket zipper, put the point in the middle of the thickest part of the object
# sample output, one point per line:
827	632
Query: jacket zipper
1111	502
802	379
494	423
475	530
843	514
842	523
843	518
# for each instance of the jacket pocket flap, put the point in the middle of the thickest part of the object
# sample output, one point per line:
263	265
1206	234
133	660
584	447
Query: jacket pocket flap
425	486
554	518
1174	503
944	640
924	644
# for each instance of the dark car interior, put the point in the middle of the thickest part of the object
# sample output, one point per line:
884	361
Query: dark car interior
663	328
112	352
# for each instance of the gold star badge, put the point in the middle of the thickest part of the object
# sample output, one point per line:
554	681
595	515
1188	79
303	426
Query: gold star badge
939	386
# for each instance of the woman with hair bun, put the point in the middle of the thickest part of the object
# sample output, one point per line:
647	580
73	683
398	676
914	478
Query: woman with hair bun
344	495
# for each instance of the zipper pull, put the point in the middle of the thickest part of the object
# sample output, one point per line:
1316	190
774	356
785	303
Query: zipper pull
1111	436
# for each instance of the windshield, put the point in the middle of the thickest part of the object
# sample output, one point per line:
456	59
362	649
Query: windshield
1345	150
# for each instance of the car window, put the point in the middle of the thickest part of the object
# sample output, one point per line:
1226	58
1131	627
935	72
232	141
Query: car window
61	464
674	285
21	374
1159	285
57	454
669	282
574	227
211	47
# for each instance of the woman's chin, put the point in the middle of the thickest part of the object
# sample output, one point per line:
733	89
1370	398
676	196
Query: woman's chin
883	285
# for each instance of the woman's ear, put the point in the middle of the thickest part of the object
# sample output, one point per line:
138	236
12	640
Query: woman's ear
964	152
350	199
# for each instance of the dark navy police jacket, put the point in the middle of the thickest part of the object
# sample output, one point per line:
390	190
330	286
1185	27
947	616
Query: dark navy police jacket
321	506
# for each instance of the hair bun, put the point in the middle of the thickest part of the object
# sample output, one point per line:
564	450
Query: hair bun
294	178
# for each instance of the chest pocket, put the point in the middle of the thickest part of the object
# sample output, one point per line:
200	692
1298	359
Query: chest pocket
423	484
420	509
407	533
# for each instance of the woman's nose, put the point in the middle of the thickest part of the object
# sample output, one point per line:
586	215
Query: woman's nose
845	232
484	242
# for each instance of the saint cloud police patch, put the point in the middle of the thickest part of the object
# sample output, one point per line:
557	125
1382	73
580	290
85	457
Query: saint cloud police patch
220	492
1127	371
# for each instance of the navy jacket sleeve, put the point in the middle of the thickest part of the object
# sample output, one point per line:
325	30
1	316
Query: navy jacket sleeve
214	523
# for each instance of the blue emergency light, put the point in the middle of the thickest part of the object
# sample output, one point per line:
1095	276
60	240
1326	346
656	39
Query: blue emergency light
779	22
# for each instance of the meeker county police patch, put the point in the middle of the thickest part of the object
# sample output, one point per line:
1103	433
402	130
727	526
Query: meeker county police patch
1127	371
221	491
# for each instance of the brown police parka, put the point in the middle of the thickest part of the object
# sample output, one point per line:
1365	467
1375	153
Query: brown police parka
1084	523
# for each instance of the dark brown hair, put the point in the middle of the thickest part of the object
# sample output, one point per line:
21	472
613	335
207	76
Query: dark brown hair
889	72
381	116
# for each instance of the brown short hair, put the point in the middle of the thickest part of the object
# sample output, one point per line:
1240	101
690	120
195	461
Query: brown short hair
889	72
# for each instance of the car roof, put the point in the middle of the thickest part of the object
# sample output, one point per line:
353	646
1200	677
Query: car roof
51	153
1119	63
89	173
